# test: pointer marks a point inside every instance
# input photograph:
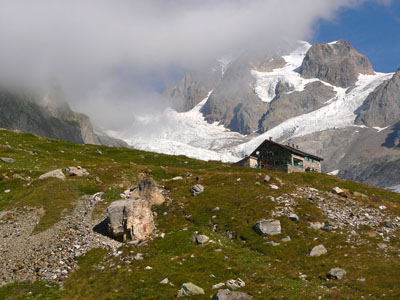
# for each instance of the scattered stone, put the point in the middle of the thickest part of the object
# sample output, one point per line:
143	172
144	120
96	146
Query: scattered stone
286	239
77	171
318	250
53	174
164	281
177	178
340	192
270	226
200	238
147	189
273	187
190	289
371	234
98	181
138	256
131	219
382	246
336	273
294	217
316	225
235	284
230	295
7	191
361	279
148	268
382	207
267	178
7	160
358	194
218	285
197	189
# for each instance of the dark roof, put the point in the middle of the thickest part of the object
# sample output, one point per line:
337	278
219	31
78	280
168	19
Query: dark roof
291	149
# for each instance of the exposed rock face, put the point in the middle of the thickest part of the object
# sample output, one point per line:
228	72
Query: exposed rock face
286	106
190	289
148	189
200	238
229	295
382	106
49	117
53	174
271	227
233	102
130	219
193	88
337	63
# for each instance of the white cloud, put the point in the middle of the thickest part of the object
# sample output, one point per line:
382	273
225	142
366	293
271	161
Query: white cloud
88	46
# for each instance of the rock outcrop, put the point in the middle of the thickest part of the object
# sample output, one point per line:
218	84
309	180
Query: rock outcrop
130	219
382	106
337	63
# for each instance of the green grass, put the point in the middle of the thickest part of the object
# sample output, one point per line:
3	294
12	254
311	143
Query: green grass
269	272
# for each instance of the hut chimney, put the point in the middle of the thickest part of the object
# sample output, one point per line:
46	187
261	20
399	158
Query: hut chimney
297	147
270	138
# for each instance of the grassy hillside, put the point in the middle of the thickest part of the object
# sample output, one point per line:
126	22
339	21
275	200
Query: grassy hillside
234	199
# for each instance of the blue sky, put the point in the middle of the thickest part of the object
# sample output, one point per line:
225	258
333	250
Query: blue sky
373	29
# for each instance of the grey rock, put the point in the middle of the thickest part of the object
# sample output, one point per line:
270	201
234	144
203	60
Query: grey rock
286	239
316	225
294	217
289	105
218	285
273	187
267	178
197	189
190	289
337	63
271	227
235	284
230	295
53	174
382	107
200	238
336	273
318	250
7	159
164	281
148	190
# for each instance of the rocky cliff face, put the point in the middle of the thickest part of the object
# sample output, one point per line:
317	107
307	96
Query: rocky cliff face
337	63
382	106
49	117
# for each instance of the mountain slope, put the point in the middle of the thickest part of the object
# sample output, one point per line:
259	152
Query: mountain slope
49	117
78	260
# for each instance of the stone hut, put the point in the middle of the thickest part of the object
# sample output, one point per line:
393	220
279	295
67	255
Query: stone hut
280	157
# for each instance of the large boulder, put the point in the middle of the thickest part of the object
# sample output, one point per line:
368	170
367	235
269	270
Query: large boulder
148	190
130	219
190	289
271	227
53	174
229	295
